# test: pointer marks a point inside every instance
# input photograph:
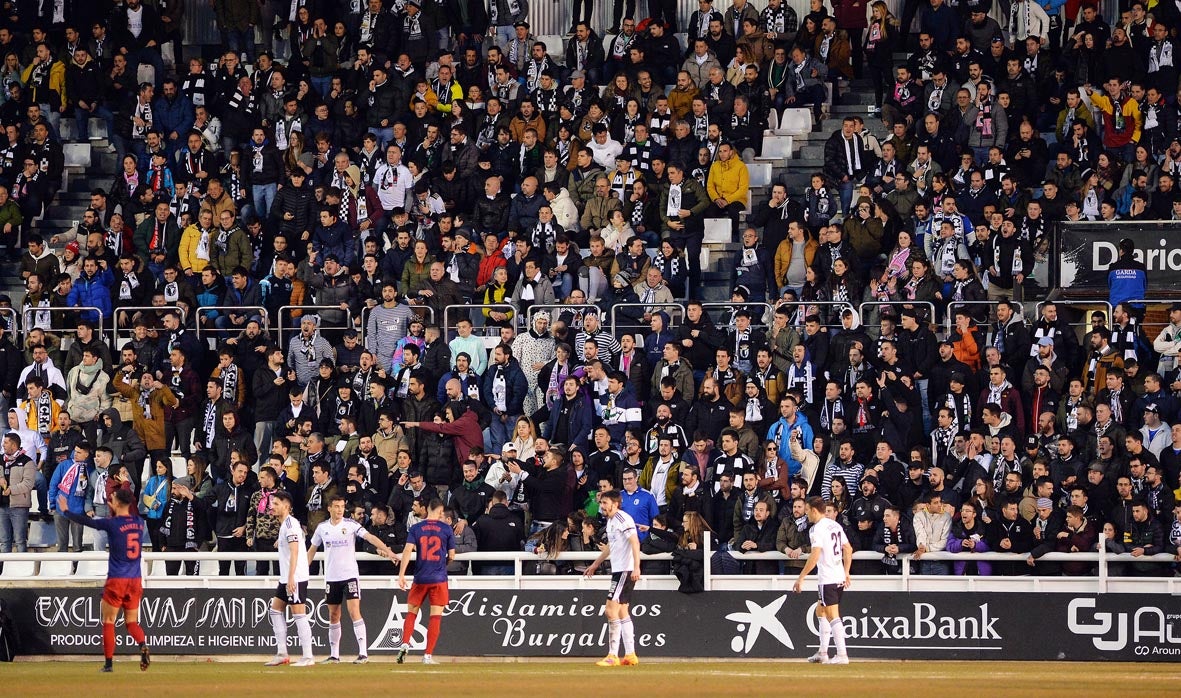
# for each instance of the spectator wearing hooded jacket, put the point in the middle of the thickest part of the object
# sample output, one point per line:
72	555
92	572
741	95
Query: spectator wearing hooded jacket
92	290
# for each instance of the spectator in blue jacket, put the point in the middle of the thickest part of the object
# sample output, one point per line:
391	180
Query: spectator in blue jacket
70	480
638	502
173	115
619	407
1127	278
93	289
790	421
504	387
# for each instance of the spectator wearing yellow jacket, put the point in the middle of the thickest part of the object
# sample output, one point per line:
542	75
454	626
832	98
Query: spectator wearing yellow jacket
45	80
728	186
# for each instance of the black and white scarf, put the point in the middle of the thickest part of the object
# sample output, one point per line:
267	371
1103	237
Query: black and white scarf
190	521
830	411
145	402
44	405
316	498
802	377
229	382
209	423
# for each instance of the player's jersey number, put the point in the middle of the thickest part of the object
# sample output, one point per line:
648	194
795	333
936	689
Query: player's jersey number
431	546
836	543
133	546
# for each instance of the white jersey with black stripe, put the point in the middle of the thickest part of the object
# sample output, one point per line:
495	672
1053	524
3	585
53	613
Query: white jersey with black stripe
620	529
291	532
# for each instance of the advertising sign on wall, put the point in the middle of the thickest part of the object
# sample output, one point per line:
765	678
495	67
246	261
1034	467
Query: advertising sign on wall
995	626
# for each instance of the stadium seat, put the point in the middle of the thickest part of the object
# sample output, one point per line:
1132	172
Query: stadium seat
207	568
717	230
42	534
777	147
56	568
773	120
22	568
796	121
76	154
91	568
760	172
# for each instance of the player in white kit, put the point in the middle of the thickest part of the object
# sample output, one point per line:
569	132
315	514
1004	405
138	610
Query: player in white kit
623	547
337	536
293	584
831	556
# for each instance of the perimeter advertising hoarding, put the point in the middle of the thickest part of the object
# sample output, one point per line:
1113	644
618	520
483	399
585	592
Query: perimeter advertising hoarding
994	626
1086	252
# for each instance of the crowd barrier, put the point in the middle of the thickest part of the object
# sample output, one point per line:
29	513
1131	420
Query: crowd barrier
262	312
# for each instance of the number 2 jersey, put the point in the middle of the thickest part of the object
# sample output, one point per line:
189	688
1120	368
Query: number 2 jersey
125	534
432	540
829	537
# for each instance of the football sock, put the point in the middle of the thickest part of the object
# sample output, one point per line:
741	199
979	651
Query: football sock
614	630
408	629
361	635
825	634
628	634
432	633
838	634
279	625
109	640
136	633
334	640
304	628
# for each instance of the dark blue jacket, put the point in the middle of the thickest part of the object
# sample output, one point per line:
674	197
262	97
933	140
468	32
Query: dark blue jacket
516	387
1127	279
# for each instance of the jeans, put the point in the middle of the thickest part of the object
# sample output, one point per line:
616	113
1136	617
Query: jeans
322	85
240	41
384	135
501	431
100	537
264	197
67	531
504	35
151	56
488	569
14	529
846	193
264	437
83	118
180	434
691	244
42	487
923	384
926	567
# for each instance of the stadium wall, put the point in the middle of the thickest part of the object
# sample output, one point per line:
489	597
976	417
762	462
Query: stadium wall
493	622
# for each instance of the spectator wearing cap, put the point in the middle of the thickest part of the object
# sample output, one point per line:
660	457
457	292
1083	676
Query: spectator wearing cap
1157	436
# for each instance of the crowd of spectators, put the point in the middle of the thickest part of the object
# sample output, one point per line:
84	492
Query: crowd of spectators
385	163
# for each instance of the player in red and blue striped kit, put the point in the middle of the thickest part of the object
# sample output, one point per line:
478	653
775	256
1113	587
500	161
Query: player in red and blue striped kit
124	587
434	542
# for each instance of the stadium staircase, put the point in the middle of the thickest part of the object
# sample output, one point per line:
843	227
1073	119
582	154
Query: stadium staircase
792	152
87	166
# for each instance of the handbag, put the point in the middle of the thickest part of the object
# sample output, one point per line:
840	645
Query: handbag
150	499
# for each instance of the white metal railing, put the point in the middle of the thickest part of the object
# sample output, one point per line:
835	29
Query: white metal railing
519	560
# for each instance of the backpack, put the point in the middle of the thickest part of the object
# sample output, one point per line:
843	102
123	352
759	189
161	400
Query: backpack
9	639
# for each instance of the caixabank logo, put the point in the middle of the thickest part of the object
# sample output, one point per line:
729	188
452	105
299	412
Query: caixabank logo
1144	630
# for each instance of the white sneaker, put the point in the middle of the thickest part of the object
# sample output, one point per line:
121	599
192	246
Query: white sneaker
839	659
427	659
304	661
362	659
817	658
278	660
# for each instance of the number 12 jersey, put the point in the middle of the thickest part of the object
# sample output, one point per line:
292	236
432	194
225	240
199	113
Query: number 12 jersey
432	540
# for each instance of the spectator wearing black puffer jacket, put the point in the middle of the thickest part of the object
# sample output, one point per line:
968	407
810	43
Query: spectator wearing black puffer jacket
292	210
266	170
499	530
